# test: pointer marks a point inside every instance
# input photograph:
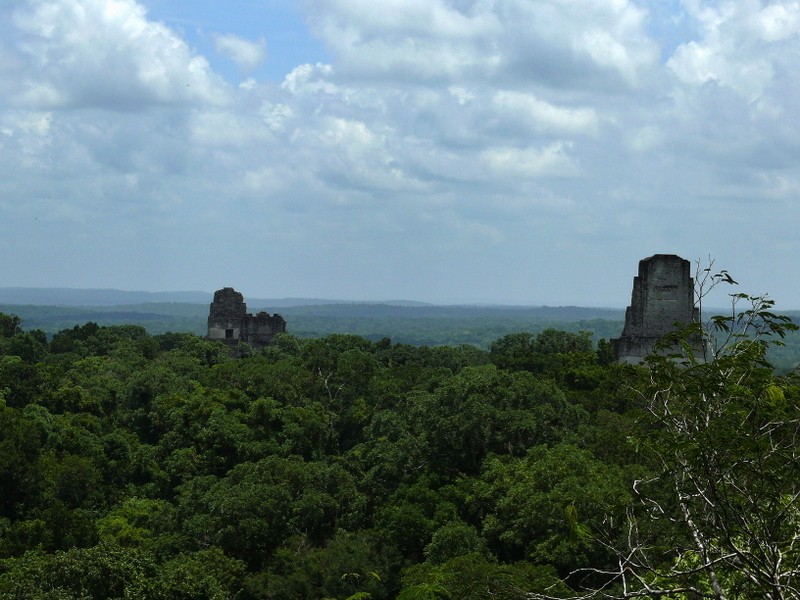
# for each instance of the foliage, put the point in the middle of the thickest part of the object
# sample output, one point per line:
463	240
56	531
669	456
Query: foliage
414	325
157	466
475	577
719	516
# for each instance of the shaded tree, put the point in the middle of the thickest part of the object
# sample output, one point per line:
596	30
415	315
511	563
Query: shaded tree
719	518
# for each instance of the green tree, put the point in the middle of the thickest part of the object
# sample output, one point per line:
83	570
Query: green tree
719	519
347	564
21	445
104	572
20	380
29	346
524	351
484	410
9	325
138	522
204	575
410	516
252	510
452	539
544	507
476	577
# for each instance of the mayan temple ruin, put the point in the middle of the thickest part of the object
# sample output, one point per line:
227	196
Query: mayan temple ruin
662	298
229	321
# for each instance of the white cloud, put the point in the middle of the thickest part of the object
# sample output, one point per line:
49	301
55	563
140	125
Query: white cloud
248	84
105	53
462	95
741	45
552	160
351	155
420	38
778	21
430	40
701	63
310	79
248	55
276	116
455	140
227	129
425	18
646	138
35	123
28	134
539	115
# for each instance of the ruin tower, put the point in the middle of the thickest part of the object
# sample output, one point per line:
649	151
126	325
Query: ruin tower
662	298
229	321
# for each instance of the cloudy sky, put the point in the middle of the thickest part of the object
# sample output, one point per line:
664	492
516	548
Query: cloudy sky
509	151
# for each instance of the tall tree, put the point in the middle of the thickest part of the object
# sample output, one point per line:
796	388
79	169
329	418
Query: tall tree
720	517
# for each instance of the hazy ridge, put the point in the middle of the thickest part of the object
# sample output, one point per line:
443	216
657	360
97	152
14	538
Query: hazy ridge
55	309
416	323
113	297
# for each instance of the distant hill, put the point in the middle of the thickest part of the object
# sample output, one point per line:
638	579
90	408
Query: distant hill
111	297
92	297
411	323
416	323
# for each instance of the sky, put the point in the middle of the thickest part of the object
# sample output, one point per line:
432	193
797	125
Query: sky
450	151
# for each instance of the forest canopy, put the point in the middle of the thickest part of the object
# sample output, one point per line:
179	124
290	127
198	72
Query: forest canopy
158	466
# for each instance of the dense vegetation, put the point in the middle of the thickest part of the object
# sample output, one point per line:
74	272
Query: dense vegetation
146	466
416	325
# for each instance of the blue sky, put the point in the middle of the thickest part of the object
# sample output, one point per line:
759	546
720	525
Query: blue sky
282	22
508	151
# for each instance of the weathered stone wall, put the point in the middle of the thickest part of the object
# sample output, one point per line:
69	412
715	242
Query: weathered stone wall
225	316
259	330
663	296
228	303
229	321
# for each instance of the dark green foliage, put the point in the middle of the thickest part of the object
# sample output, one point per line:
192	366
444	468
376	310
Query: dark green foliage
100	573
111	572
136	466
256	506
345	565
416	325
453	539
9	325
475	577
204	575
21	480
545	506
717	515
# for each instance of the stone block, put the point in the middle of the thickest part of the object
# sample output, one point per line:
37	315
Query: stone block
662	300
